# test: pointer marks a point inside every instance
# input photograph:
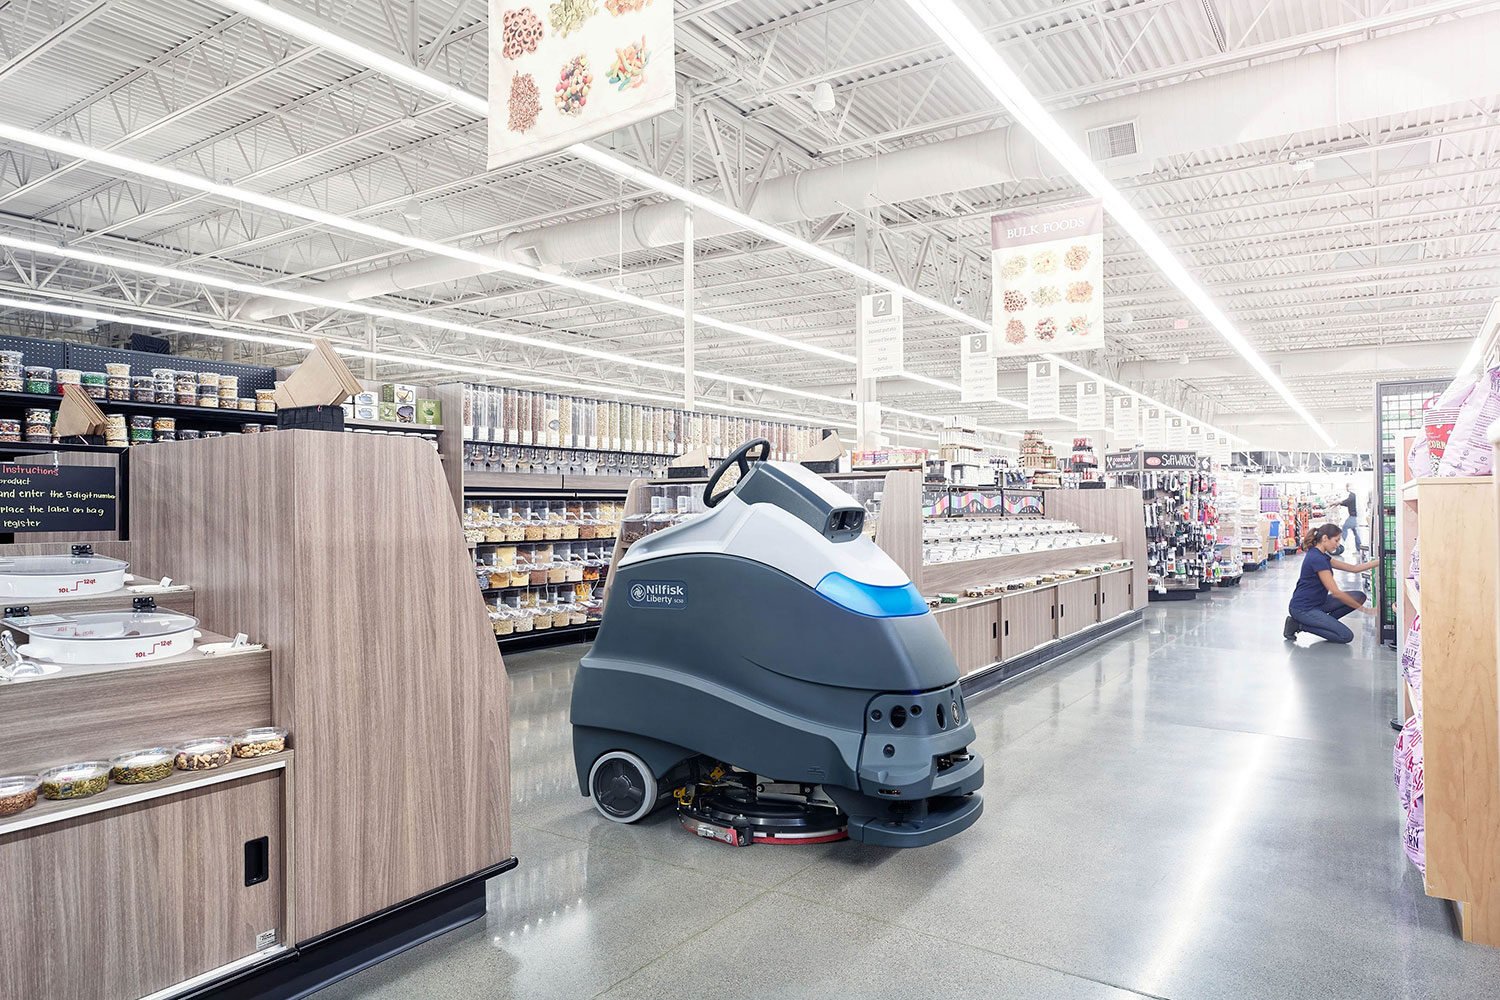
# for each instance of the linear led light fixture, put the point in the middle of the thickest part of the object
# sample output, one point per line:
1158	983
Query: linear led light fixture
228	284
410	75
415	361
321	37
169	175
961	35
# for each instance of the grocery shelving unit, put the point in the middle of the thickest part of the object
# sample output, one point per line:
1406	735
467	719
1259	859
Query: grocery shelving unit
1398	408
482	463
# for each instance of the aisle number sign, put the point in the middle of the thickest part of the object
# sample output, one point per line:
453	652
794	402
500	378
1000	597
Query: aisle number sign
1195	439
978	382
1152	435
1127	421
1042	391
880	335
1090	405
1177	436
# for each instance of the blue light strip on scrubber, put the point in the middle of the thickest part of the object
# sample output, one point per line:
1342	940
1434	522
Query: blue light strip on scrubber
872	601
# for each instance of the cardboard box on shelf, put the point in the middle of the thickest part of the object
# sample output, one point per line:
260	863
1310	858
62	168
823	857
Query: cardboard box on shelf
387	412
429	412
322	379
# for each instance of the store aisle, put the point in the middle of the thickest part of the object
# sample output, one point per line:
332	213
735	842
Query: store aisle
1197	810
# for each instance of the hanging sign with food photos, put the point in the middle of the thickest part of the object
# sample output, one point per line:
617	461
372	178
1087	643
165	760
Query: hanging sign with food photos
1048	268
564	71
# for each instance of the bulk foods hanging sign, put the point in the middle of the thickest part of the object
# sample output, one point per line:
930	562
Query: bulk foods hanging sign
1048	279
563	71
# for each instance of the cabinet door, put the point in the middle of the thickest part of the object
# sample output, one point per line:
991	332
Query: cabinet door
973	634
1114	594
1077	606
148	894
1027	620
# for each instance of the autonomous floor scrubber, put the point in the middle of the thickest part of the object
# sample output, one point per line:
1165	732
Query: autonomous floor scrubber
770	669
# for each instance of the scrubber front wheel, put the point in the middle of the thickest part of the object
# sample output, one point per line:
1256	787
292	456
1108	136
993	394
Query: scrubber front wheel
622	787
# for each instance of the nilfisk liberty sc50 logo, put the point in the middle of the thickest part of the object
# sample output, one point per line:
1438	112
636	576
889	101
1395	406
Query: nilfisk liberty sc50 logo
662	595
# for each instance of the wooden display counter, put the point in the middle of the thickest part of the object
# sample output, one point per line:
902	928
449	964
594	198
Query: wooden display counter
378	657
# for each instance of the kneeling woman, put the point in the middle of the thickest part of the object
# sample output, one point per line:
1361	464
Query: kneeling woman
1318	603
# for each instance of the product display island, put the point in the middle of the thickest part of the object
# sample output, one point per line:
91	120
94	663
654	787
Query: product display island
241	813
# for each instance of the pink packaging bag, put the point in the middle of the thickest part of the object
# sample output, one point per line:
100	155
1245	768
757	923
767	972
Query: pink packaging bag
1414	835
1468	452
1411	662
1438	417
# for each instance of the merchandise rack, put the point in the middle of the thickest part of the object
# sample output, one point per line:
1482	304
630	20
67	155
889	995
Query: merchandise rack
1455	519
1398	408
1173	487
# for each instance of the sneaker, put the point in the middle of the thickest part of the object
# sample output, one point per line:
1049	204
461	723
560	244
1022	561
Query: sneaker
1289	629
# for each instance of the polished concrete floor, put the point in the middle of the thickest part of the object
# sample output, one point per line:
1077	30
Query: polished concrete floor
1195	810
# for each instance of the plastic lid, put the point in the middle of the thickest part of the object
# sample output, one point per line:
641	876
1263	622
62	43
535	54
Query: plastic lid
144	758
260	733
16	783
203	744
58	565
81	771
114	625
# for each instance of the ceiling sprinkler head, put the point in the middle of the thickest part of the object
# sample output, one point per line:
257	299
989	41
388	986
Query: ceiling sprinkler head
822	98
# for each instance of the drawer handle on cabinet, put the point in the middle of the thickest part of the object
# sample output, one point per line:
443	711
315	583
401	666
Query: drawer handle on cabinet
994	630
257	860
1007	627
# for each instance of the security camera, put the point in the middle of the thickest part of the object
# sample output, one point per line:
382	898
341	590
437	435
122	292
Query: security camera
960	300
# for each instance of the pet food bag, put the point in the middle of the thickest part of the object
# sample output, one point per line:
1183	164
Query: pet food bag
1411	662
1439	414
1468	452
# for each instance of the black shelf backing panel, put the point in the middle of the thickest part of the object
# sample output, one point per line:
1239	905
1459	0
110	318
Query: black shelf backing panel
15	401
43	353
88	358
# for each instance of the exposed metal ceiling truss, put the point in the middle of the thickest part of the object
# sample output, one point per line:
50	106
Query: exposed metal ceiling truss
1360	235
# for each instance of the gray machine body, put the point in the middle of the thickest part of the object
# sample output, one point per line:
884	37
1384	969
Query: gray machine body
716	643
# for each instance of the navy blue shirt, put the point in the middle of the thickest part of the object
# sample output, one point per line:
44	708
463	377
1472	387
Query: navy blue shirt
1310	592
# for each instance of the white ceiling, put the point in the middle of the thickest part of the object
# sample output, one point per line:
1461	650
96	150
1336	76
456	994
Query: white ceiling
1372	248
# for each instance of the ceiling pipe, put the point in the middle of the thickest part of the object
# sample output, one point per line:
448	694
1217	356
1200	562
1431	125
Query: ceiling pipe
1389	75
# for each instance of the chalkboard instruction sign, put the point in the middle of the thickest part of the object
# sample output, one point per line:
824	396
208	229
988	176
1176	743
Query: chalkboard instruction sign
57	498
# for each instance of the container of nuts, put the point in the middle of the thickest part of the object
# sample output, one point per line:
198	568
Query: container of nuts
18	793
75	781
141	766
203	753
260	742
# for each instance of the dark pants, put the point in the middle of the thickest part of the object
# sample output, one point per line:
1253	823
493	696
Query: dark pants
1324	621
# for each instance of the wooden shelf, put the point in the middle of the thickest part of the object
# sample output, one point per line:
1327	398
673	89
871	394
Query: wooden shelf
115	796
1413	488
187	414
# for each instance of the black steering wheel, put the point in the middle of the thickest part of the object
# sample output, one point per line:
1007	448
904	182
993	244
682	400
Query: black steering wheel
740	457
